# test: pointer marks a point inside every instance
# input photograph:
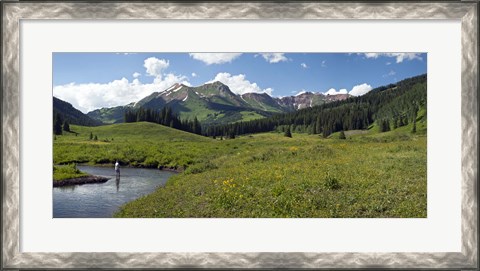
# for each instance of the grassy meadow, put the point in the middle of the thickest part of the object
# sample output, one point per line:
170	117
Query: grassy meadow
64	172
369	174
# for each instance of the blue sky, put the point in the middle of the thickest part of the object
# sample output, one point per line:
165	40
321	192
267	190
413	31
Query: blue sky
94	80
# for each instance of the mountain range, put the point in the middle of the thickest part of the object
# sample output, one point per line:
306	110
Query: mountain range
215	103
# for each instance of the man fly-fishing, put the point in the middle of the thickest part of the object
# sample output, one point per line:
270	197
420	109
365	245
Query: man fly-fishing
117	168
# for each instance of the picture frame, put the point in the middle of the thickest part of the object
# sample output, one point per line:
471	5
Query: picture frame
14	12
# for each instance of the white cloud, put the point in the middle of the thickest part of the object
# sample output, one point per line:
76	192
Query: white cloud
155	66
359	90
274	57
215	58
400	57
333	91
304	65
391	73
324	64
91	96
408	56
371	55
194	74
238	84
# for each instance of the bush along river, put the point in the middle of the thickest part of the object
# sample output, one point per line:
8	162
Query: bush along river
101	200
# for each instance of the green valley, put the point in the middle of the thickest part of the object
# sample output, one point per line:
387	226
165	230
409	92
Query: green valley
369	174
168	149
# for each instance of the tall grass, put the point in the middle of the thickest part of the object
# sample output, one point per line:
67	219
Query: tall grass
264	175
66	172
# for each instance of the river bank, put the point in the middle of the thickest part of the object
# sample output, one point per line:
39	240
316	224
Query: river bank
179	169
81	180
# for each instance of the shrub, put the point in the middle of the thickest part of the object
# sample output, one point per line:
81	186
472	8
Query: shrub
288	133
201	167
150	163
332	183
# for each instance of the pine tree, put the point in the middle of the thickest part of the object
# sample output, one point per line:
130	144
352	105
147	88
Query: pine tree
318	126
91	136
414	128
95	138
384	125
66	126
342	135
313	127
231	134
57	126
288	133
197	129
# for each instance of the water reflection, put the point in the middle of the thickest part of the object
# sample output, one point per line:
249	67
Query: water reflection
67	188
117	182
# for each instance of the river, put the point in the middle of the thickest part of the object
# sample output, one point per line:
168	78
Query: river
103	199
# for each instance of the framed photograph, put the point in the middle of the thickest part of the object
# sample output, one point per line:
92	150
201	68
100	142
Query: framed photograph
240	135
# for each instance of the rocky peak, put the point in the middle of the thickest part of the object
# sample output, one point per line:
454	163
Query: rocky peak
219	86
254	94
174	87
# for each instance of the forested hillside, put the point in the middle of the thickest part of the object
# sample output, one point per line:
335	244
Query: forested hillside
390	106
72	115
166	117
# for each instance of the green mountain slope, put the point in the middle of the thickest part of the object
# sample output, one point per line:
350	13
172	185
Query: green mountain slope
209	103
263	101
109	115
72	115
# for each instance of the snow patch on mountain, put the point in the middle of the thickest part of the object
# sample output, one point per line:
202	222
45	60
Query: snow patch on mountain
177	89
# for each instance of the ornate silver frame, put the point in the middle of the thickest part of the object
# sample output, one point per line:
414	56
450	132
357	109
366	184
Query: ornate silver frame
13	12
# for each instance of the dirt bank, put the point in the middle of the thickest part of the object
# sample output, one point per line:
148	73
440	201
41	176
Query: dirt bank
81	180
